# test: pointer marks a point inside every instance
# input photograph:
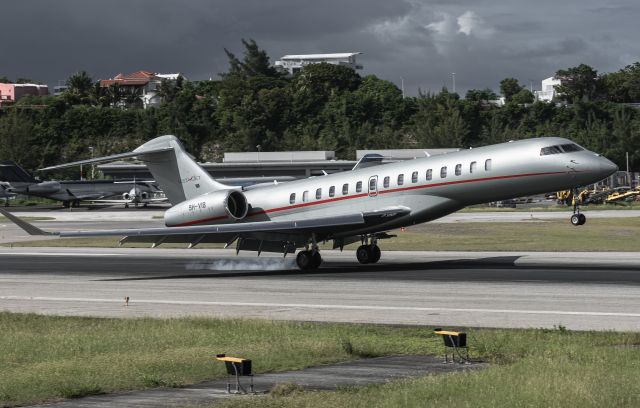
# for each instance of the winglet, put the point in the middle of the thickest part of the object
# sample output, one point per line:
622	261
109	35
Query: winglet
28	228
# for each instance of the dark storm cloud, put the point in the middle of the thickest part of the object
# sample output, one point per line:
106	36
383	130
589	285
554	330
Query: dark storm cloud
422	42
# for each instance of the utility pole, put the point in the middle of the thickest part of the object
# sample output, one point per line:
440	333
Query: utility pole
453	76
402	86
93	166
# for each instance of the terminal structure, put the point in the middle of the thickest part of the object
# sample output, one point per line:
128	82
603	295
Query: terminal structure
294	63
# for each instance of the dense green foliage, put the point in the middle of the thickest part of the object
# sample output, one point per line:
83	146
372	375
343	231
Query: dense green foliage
328	107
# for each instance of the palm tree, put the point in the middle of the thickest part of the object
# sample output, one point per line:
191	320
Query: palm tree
79	86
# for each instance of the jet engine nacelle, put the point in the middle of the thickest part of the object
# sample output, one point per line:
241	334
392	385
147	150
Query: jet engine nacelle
46	187
218	207
126	196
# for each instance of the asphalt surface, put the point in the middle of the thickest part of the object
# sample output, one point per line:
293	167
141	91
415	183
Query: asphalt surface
325	377
582	291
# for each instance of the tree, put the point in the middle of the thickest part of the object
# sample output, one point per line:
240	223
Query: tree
79	88
509	87
579	83
4	80
479	95
254	63
25	81
523	96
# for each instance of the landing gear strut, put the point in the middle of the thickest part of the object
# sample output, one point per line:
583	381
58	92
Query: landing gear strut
577	218
369	251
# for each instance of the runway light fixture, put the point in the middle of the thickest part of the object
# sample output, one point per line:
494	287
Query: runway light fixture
454	341
237	367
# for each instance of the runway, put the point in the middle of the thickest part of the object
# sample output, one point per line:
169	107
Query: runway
582	291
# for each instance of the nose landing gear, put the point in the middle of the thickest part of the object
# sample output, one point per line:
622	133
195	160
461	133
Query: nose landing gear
577	218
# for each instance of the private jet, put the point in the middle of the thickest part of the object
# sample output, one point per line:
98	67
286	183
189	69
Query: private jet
360	205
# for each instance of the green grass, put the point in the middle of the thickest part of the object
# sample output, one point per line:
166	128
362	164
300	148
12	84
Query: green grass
531	368
48	358
598	234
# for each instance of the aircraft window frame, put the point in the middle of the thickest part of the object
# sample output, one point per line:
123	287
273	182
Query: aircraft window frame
345	189
373	184
332	191
400	179
473	166
386	182
571	148
443	172
359	187
305	196
429	174
414	177
292	198
458	170
487	165
318	193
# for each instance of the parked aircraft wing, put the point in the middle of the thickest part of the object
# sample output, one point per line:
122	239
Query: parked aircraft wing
27	227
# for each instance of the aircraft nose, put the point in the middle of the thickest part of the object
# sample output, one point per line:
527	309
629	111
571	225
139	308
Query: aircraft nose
607	167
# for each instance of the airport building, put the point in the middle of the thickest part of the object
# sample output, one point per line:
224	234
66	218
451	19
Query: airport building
294	63
548	92
12	93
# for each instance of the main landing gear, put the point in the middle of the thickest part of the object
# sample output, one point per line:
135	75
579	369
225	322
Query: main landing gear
369	251
309	258
577	218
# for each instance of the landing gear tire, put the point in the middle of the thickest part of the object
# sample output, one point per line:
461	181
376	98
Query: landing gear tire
575	220
308	260
578	219
316	260
375	253
363	254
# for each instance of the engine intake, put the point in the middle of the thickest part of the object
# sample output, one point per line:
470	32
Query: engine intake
219	207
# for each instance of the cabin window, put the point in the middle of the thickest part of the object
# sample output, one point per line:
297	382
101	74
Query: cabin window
373	181
429	174
443	172
487	164
400	179
318	194
385	183
472	167
414	177
332	191
345	189
458	169
358	186
292	198
305	196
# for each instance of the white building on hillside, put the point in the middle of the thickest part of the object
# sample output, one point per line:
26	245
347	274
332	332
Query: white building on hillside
548	92
294	63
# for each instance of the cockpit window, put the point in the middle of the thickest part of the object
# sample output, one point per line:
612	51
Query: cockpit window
565	148
545	151
572	147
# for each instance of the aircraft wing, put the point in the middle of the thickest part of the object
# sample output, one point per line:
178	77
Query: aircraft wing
268	231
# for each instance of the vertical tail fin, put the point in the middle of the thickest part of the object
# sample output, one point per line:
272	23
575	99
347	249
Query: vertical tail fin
179	176
11	172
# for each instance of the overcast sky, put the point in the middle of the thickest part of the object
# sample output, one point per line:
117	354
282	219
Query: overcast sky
421	41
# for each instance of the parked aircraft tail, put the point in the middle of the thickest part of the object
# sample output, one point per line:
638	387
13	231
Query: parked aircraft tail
12	173
178	175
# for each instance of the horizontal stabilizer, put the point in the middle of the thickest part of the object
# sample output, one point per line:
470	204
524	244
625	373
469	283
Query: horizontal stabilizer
27	227
108	158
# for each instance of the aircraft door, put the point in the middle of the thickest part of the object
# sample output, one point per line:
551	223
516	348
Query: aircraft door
373	186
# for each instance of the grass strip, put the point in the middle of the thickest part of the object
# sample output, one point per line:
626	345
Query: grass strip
49	357
599	234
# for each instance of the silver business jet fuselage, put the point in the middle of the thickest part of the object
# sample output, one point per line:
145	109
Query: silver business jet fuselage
358	205
428	188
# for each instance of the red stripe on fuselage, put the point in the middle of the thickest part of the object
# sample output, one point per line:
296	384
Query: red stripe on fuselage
395	190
